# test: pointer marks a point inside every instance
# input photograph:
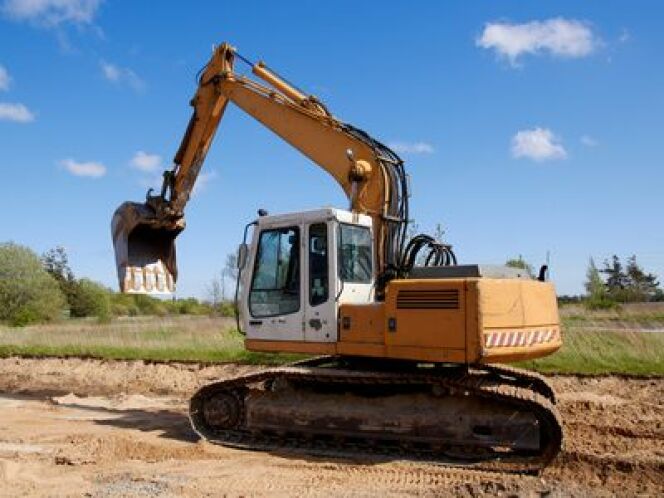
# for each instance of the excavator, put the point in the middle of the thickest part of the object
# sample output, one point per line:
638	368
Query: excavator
405	348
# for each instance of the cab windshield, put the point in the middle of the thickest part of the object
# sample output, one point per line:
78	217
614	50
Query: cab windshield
275	287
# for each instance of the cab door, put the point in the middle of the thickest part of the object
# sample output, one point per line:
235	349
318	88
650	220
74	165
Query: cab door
275	304
320	318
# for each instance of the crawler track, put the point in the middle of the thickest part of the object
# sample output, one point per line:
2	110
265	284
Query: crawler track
493	418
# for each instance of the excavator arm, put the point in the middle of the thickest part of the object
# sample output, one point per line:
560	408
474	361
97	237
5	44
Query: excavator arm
371	175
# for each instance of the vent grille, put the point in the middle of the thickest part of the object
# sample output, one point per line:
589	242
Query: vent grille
443	299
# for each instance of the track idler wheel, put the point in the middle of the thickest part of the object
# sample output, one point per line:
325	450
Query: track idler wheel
223	411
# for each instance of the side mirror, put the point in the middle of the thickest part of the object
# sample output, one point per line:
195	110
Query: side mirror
242	251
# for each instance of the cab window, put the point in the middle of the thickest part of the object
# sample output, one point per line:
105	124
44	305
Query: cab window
354	253
275	286
318	266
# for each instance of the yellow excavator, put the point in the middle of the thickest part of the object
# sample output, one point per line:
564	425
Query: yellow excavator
405	343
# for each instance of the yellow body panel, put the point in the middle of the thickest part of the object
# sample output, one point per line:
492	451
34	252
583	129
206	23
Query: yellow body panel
509	303
519	320
466	320
366	324
426	313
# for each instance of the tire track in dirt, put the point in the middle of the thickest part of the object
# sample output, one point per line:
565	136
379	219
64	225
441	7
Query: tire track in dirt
124	431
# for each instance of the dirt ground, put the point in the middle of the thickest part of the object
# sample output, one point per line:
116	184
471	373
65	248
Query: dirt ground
100	428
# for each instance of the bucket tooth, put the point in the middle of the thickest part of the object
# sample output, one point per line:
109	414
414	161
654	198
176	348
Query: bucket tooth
144	250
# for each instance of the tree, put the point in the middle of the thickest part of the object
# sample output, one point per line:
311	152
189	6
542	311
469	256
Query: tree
28	293
597	296
594	284
230	271
230	267
412	230
520	264
85	297
216	292
641	286
439	232
56	263
616	279
629	283
659	296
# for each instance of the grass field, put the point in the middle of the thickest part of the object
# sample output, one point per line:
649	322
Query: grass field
594	342
182	338
601	352
625	341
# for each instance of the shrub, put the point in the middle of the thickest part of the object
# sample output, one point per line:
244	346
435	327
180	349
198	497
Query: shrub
192	306
602	302
141	304
520	264
147	305
90	299
227	308
123	304
28	294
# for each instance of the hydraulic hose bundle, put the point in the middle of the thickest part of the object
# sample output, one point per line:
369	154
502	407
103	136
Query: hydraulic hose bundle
421	250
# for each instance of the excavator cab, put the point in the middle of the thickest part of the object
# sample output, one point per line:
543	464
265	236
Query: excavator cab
298	269
144	250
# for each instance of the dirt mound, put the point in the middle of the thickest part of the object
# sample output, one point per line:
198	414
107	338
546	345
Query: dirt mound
101	377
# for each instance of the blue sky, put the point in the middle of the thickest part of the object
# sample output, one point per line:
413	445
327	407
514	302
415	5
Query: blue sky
525	128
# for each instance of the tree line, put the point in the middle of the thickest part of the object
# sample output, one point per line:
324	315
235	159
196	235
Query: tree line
37	289
616	283
44	288
609	285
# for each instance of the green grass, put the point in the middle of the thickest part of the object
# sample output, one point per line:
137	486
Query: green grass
634	320
588	348
594	352
650	314
179	338
161	354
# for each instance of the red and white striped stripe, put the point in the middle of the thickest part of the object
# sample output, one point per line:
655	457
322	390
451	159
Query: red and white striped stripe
519	338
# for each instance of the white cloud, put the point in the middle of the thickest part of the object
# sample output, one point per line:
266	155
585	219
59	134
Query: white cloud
538	144
559	37
411	147
90	169
624	36
110	72
15	112
589	141
4	78
145	162
51	13
121	75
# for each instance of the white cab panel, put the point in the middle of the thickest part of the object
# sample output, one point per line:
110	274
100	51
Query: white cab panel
300	267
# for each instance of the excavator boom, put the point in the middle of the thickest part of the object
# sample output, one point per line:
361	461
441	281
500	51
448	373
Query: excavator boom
370	174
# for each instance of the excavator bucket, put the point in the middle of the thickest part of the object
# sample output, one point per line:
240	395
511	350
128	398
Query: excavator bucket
144	250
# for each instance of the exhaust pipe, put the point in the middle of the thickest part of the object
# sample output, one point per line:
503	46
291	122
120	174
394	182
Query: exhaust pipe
144	250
